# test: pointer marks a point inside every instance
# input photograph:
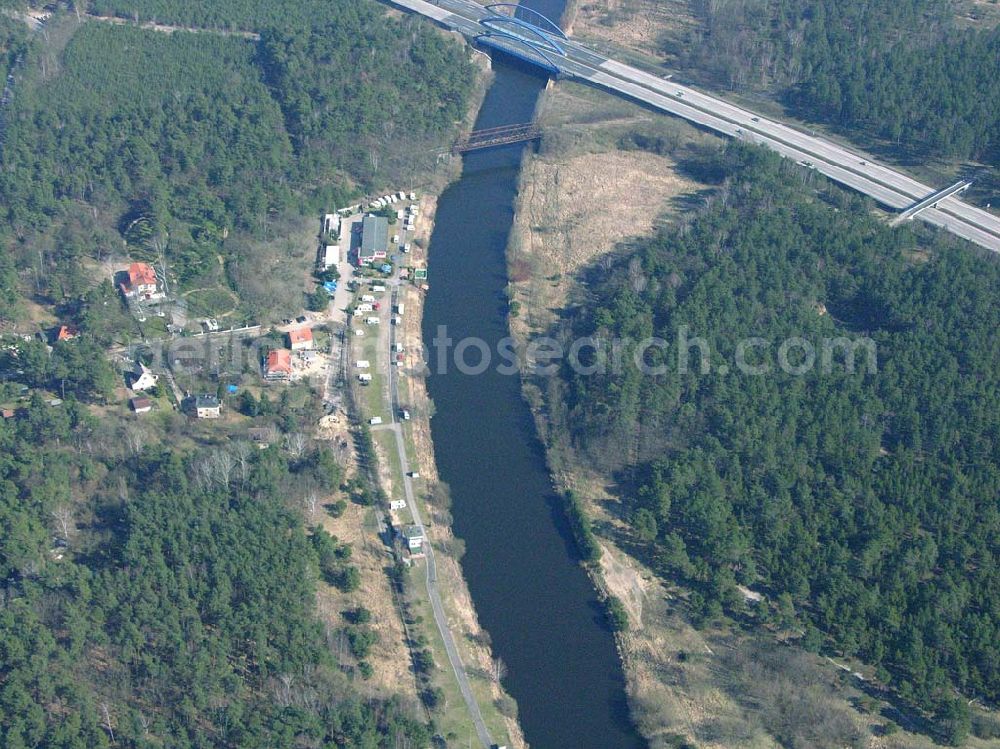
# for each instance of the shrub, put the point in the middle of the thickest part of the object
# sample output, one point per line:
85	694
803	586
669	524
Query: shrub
617	615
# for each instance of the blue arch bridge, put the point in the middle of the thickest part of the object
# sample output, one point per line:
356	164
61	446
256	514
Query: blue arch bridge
523	33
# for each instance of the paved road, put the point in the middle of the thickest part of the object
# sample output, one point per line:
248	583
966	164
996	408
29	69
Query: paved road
386	342
845	166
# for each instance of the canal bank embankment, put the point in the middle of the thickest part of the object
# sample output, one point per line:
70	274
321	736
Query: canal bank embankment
530	592
581	198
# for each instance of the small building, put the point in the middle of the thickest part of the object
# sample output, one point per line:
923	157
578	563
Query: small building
331	224
374	240
141	405
140	282
64	333
413	537
207	407
397	504
141	378
8	413
279	365
300	339
331	256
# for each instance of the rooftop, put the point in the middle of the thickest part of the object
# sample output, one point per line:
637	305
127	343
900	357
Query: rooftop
279	360
66	333
374	236
141	273
300	335
412	531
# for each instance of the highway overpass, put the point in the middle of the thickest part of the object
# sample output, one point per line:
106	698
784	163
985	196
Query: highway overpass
931	201
850	168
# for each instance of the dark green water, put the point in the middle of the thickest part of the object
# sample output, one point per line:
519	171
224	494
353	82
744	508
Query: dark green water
530	592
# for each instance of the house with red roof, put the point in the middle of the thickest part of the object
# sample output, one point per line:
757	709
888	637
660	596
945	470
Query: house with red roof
279	365
300	339
65	333
139	281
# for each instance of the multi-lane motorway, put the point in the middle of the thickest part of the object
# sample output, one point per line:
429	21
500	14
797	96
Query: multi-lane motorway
850	168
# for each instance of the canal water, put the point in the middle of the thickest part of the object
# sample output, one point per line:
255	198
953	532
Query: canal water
529	590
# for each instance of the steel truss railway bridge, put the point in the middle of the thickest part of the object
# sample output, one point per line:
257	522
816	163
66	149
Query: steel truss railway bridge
497	136
529	36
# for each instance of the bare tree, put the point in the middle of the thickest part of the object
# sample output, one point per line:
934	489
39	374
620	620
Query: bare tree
295	444
311	501
286	689
203	474
123	489
135	438
242	451
63	515
636	278
108	726
498	669
222	467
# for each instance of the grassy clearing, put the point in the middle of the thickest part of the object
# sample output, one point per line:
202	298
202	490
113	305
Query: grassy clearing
214	302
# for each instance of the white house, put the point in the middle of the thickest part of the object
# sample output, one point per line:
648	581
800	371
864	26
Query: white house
140	282
414	538
207	407
331	256
300	339
141	378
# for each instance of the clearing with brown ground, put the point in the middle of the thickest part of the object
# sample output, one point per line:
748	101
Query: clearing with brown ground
632	24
